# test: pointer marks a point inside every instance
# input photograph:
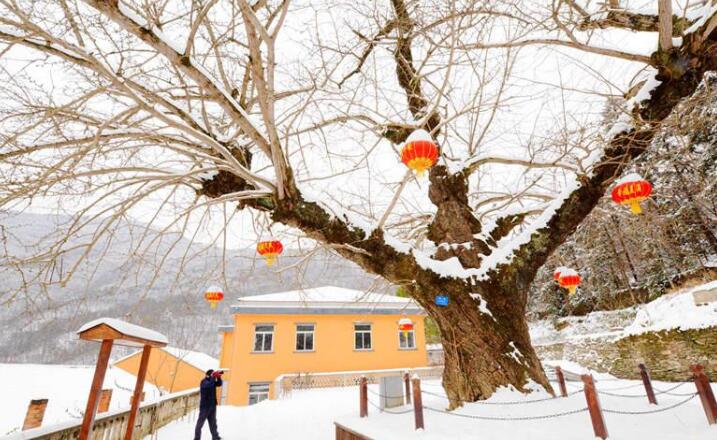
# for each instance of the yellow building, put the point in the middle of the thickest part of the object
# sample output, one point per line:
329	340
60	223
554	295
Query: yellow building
320	330
171	369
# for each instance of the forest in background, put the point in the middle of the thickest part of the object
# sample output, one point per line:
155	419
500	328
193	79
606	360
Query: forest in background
628	259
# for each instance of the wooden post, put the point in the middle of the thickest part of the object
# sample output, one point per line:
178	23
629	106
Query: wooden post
648	384
93	399
363	397
417	403
594	406
407	383
702	382
35	414
561	381
105	399
136	396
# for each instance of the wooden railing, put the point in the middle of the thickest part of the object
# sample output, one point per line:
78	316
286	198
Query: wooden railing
112	425
286	383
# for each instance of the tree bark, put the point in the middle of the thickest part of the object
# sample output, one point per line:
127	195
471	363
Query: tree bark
482	350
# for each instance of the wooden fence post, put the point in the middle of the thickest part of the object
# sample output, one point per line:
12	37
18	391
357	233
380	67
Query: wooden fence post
363	397
594	406
561	381
417	403
648	384
407	383
702	382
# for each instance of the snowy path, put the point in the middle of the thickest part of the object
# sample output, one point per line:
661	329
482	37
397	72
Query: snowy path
310	415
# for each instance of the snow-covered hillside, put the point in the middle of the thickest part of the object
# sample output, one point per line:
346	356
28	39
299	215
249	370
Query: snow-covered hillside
38	326
673	311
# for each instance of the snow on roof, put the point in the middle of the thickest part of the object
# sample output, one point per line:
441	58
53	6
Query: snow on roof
196	359
326	296
66	388
675	311
127	329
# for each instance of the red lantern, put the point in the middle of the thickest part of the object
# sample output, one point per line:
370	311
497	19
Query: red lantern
405	325
631	190
213	295
556	273
569	279
270	249
419	153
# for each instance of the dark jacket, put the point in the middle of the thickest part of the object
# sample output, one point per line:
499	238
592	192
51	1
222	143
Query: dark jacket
208	392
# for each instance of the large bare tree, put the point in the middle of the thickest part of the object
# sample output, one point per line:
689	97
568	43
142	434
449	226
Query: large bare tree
109	104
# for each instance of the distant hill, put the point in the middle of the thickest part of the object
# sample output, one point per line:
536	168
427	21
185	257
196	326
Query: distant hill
39	324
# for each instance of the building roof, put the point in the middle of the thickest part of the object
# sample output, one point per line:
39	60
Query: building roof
123	333
194	358
197	359
325	299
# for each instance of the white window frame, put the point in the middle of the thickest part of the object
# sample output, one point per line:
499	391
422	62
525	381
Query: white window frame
370	336
412	339
303	333
263	334
260	395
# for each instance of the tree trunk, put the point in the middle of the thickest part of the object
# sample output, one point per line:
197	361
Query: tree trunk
484	351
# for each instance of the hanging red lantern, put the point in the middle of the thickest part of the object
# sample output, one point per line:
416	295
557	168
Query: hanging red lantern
631	190
419	152
270	249
556	273
213	295
569	279
405	325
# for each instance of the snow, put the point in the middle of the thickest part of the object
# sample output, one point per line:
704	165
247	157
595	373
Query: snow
310	415
629	177
568	272
197	359
482	305
672	311
65	386
325	296
419	135
127	329
675	311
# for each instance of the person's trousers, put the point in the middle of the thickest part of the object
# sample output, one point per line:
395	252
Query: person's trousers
208	414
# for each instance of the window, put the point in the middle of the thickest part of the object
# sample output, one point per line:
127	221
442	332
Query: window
263	338
406	340
362	336
258	392
305	337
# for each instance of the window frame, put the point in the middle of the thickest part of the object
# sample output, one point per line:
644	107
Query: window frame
258	393
363	332
304	333
263	333
413	338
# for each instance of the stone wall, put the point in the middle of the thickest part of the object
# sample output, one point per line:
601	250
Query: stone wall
667	354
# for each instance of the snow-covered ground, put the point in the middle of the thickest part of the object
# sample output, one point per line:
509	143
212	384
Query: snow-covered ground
310	415
66	388
673	311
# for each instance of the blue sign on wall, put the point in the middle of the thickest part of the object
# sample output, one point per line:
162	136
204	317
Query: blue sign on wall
442	300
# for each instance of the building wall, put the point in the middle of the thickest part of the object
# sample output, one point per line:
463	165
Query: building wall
164	370
333	349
